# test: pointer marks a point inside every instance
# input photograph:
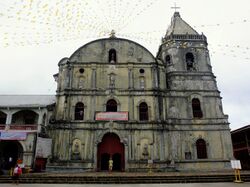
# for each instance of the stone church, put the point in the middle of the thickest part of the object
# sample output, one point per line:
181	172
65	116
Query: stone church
115	100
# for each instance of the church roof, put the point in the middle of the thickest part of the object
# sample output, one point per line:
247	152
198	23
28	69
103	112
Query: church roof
26	100
179	26
241	130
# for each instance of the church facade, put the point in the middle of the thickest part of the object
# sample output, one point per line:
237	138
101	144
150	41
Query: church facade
115	100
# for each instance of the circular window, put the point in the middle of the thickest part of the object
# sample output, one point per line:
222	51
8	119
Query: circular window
81	70
141	71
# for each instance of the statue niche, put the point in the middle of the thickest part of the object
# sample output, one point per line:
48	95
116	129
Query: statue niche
76	147
145	151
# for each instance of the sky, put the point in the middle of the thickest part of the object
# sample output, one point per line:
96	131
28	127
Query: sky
36	34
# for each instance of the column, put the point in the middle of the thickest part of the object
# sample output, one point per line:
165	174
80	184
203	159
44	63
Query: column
68	109
92	108
126	156
94	152
70	76
162	148
155	78
156	108
133	146
40	117
129	147
130	77
67	77
9	118
93	78
131	108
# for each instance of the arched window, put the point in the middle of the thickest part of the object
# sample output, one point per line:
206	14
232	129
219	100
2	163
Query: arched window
143	112
168	59
190	61
201	149
196	106
111	106
79	111
112	56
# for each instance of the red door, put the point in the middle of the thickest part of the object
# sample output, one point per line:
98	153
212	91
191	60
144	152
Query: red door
110	147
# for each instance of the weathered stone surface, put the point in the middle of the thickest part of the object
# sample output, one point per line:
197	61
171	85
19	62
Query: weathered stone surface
132	77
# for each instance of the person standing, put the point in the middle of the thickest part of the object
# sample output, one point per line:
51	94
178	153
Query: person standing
16	174
110	164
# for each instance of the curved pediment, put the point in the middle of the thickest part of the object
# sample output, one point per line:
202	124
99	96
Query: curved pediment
98	51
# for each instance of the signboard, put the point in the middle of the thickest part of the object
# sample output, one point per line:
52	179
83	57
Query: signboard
235	164
13	135
43	147
150	161
111	116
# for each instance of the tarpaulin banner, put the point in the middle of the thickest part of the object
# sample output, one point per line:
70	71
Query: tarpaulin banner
115	116
43	147
13	135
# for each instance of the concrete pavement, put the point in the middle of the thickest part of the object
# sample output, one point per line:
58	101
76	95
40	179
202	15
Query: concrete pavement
247	184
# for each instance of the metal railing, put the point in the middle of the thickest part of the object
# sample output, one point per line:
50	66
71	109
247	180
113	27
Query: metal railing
19	127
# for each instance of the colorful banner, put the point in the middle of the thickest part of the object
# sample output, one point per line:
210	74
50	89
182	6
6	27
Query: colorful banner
13	135
111	116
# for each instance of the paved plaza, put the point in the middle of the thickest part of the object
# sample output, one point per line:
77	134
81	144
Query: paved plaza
247	184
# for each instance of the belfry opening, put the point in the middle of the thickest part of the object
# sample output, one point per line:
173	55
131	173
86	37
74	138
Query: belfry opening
110	148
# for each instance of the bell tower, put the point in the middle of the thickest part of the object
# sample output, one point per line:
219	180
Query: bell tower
183	48
193	107
188	70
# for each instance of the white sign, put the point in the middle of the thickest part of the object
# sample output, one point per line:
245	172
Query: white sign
235	164
43	147
111	116
150	161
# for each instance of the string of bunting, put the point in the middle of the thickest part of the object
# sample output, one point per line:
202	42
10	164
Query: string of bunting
34	22
29	19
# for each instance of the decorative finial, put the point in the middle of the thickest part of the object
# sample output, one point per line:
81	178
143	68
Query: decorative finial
175	7
112	34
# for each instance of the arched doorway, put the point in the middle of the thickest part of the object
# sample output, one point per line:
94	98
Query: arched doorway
110	146
10	152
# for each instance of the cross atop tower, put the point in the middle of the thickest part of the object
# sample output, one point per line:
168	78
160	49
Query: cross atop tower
112	34
175	7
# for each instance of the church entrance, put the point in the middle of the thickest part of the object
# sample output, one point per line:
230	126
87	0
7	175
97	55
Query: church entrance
110	147
105	161
10	152
117	162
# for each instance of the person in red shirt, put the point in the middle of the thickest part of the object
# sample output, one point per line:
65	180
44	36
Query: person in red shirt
16	174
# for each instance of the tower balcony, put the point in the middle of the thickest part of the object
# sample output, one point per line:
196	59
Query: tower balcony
186	37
